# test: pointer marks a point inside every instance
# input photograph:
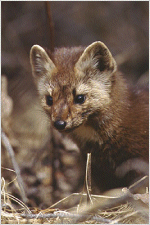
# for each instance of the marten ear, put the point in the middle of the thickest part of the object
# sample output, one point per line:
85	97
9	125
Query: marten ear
98	57
40	62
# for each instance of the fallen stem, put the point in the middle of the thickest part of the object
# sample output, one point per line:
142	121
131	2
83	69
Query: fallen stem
10	151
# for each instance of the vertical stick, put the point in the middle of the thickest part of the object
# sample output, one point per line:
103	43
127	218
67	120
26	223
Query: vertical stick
88	178
55	156
51	25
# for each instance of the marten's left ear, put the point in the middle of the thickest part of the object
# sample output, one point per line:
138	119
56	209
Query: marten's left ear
98	57
41	63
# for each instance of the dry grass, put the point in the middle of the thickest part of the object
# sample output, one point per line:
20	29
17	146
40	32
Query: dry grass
117	206
123	213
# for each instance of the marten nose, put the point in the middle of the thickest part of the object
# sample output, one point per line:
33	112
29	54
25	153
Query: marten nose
59	124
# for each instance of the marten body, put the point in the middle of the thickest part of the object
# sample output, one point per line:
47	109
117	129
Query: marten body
86	97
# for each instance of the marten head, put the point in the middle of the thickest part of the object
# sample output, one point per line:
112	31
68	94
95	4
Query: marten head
74	84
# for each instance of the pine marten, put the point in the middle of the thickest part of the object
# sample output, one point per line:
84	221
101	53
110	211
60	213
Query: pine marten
86	97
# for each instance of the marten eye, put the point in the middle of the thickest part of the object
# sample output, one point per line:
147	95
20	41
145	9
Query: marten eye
79	99
49	100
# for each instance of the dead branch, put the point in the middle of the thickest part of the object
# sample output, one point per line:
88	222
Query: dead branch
63	214
10	151
51	25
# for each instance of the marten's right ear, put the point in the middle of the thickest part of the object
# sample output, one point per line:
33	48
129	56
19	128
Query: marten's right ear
41	63
98	58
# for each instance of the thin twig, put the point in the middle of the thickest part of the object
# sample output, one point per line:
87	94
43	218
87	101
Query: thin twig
10	151
80	195
138	183
124	217
51	25
16	200
54	155
88	178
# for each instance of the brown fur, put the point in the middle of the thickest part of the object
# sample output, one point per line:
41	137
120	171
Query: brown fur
112	123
